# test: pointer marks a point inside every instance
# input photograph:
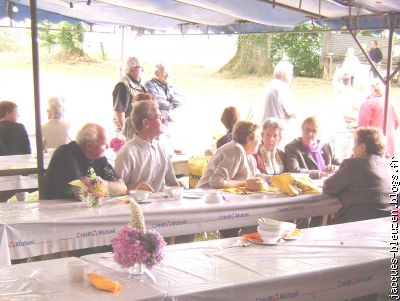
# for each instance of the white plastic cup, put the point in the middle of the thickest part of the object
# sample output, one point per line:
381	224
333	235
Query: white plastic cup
214	197
177	193
76	271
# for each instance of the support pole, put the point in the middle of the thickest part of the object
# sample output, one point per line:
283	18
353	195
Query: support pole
122	51
388	68
36	89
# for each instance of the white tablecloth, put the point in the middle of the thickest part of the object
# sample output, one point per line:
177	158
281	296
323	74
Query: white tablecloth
48	280
17	162
45	227
179	162
326	263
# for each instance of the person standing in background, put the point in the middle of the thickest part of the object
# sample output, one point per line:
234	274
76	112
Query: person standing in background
279	101
372	113
375	54
351	64
278	97
167	96
125	90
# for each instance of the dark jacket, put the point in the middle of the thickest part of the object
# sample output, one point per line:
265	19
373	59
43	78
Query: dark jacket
14	139
298	159
70	163
362	185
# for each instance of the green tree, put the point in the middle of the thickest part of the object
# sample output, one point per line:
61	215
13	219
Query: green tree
302	49
47	36
68	36
71	37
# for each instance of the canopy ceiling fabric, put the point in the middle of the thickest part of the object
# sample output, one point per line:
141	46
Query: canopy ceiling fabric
214	16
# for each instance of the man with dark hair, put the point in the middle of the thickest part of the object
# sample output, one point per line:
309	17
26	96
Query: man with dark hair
375	54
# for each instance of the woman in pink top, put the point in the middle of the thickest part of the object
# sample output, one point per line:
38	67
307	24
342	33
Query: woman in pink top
372	113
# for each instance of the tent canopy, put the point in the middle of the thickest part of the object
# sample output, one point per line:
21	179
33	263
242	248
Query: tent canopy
212	16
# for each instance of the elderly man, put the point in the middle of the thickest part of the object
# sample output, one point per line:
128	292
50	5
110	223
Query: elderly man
278	98
143	163
73	161
168	98
125	90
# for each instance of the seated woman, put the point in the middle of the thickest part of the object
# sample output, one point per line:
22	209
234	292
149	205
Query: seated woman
269	158
13	134
229	118
362	183
233	164
13	138
56	131
308	154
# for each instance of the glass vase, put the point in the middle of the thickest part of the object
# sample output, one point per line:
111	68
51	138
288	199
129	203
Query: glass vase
136	269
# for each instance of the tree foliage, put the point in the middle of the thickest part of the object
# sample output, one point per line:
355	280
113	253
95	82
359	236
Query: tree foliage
302	49
47	36
68	36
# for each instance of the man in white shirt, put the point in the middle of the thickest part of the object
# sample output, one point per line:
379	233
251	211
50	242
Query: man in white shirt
278	98
143	163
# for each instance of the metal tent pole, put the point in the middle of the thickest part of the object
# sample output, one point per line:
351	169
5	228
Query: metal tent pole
36	89
388	68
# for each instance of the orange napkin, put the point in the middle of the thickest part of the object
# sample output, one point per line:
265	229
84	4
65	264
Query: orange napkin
252	236
103	283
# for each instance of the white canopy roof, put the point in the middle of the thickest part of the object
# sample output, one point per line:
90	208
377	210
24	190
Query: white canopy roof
213	16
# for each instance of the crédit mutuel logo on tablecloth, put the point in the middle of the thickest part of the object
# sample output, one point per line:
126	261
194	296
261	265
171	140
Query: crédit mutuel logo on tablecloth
21	243
279	296
95	232
234	215
80	234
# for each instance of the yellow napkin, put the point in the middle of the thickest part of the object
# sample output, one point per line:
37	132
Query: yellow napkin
242	190
294	184
103	283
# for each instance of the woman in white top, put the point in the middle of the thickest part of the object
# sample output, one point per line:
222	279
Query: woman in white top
233	163
56	131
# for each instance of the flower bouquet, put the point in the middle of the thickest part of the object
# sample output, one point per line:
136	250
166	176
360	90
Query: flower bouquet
134	246
91	189
116	143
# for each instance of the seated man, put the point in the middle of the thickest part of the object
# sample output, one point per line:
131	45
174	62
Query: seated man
73	161
143	163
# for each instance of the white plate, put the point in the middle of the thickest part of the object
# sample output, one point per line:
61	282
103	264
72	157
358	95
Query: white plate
193	195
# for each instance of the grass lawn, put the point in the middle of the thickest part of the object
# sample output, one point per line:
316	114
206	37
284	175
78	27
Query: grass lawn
87	88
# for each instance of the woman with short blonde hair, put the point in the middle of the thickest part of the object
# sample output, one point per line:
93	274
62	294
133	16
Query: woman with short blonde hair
233	163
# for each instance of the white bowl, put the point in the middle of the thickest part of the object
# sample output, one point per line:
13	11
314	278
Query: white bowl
268	224
174	192
270	236
140	195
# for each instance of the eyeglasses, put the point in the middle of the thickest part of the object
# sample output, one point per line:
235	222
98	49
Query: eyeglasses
308	130
138	67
